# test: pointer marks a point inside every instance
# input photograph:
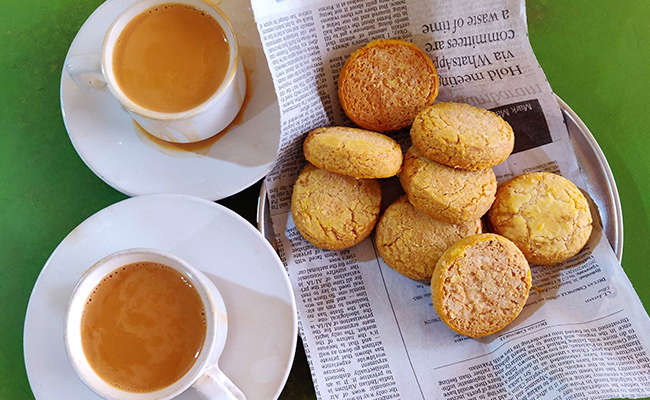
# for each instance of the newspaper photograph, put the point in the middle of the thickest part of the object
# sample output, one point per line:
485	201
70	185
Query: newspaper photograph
371	333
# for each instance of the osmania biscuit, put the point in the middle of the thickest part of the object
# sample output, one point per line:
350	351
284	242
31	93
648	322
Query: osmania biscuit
383	85
480	284
334	211
353	152
544	214
462	136
411	243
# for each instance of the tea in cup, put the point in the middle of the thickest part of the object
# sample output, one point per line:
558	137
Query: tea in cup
173	65
144	324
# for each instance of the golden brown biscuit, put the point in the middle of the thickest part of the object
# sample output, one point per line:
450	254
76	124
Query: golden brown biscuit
411	243
462	136
353	152
384	84
480	284
445	193
544	214
333	211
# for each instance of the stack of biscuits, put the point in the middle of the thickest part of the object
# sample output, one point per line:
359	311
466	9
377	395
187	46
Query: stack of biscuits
479	281
336	199
382	87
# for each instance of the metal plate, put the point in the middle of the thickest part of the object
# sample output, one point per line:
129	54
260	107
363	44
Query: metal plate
598	177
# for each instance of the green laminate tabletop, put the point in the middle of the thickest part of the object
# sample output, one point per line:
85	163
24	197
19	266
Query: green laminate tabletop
596	55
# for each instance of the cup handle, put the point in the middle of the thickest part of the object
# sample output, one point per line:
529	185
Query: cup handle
215	385
86	72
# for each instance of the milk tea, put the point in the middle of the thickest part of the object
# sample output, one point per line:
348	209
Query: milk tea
171	58
143	327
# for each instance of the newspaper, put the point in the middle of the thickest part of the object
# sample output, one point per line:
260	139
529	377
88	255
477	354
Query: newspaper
370	333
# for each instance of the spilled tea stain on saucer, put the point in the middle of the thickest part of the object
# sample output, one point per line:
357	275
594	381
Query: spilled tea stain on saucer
201	148
194	149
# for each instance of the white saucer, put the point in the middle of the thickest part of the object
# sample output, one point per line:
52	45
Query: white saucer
107	140
261	309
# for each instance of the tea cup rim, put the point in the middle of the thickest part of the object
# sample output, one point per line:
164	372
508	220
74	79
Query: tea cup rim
111	36
216	325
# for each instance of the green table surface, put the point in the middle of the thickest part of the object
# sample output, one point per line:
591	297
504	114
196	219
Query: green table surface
596	55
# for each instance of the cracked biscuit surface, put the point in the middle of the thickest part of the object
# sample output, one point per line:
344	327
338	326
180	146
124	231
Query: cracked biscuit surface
445	193
462	136
353	152
480	284
544	214
384	84
334	211
411	243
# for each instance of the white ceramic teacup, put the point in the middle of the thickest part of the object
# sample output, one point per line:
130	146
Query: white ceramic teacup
95	72
204	375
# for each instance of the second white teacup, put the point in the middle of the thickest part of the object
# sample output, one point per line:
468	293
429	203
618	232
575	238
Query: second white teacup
225	85
203	373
